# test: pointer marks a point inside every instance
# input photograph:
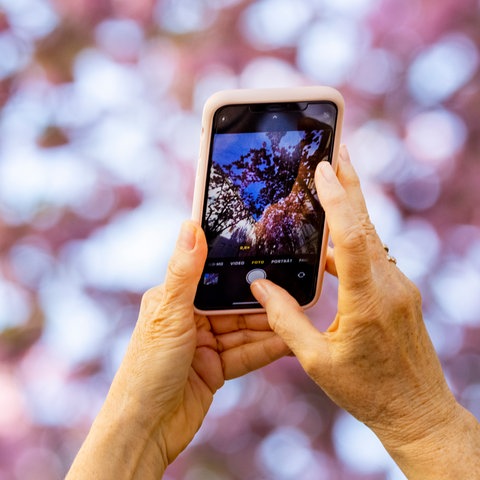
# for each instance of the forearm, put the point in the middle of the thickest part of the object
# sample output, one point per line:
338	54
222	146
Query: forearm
450	451
118	447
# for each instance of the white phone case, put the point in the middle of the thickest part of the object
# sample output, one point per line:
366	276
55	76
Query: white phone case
257	96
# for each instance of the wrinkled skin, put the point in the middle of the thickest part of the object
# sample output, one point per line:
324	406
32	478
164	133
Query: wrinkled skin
175	362
376	359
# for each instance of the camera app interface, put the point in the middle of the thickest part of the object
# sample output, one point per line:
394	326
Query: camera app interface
262	216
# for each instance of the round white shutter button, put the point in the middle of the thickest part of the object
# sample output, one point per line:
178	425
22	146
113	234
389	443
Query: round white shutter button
256	274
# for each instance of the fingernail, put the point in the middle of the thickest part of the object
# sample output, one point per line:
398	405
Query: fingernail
327	172
344	155
260	291
187	237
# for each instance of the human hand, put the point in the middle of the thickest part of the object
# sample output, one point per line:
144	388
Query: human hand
175	362
376	359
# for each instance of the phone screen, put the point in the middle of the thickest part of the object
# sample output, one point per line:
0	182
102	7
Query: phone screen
261	213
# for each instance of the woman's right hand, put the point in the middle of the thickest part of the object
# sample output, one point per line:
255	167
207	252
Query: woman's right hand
376	359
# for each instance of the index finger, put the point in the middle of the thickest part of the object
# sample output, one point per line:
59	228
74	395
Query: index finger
348	233
232	323
348	178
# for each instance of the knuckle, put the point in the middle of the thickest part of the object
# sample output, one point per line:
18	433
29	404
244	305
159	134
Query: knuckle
415	292
177	269
414	295
364	220
355	237
152	295
407	298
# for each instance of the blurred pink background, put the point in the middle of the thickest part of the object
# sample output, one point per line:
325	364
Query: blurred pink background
99	126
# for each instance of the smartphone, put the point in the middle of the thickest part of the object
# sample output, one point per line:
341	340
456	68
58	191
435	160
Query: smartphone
255	195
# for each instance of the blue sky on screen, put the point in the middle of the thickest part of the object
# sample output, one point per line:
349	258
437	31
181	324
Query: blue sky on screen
229	147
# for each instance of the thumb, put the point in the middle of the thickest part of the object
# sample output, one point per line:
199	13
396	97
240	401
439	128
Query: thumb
289	322
186	265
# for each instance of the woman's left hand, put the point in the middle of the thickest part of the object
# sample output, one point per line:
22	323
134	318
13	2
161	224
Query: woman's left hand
175	362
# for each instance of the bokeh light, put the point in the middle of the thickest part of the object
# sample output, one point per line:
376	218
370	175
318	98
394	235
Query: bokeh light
99	132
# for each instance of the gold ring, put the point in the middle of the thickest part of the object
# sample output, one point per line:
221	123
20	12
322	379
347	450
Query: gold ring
390	258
